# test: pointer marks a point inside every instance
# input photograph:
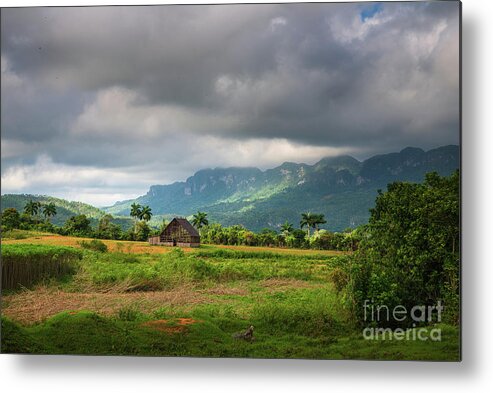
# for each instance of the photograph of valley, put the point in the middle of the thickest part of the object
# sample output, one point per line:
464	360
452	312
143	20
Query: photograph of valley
238	180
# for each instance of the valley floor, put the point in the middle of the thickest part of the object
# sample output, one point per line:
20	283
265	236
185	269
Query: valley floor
155	301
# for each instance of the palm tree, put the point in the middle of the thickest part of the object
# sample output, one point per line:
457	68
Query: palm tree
32	208
286	229
319	219
135	210
308	220
200	219
145	213
49	210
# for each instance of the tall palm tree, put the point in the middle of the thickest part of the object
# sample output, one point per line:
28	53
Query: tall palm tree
145	213
200	219
286	229
319	219
32	208
49	210
135	210
308	220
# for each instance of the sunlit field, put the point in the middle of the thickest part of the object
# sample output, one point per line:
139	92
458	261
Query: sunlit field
138	299
135	247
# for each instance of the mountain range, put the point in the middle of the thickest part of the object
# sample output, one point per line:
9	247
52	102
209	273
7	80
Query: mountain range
343	188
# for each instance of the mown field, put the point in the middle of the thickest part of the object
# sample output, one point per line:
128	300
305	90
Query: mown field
138	299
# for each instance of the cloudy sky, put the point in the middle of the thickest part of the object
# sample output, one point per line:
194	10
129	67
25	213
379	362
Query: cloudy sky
99	103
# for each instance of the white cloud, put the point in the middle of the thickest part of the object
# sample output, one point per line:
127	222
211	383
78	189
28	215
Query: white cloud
347	29
105	186
277	22
86	184
123	113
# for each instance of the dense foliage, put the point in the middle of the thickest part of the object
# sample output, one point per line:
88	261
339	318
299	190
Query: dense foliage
237	235
410	251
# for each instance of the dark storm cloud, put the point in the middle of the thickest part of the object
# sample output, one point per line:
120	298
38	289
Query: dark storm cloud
137	88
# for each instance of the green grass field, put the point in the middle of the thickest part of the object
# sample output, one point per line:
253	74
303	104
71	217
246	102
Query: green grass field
192	303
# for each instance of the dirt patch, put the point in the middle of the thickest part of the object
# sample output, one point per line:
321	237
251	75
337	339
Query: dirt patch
34	306
187	321
162	325
166	326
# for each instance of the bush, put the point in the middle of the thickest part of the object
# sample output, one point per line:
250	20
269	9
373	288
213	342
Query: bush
10	219
94	245
409	253
339	278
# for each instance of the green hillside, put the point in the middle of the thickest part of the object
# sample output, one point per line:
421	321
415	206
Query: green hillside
65	209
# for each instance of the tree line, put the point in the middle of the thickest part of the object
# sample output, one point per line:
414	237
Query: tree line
213	233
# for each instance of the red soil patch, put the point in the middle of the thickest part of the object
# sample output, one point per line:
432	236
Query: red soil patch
163	325
186	321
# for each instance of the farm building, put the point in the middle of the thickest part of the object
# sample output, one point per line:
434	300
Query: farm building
179	232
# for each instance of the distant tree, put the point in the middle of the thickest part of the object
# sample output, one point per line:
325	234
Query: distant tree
319	219
311	220
308	220
297	239
104	222
49	210
200	219
10	218
267	237
108	229
142	231
145	213
32	208
286	229
135	212
78	225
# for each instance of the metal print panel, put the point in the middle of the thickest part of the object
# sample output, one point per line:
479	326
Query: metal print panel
260	181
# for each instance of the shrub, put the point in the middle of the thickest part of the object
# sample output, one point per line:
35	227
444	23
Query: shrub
409	254
94	245
339	278
10	219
